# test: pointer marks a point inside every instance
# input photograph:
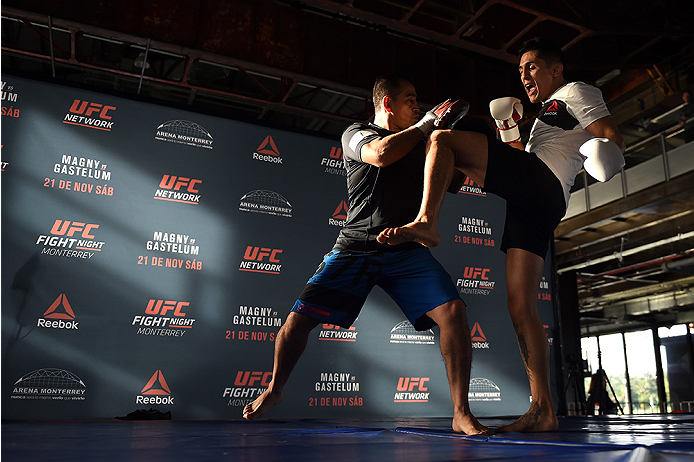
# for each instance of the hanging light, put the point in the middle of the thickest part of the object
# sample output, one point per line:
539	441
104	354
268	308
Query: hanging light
140	60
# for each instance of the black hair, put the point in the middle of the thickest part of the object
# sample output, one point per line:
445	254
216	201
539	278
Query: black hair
387	85
546	50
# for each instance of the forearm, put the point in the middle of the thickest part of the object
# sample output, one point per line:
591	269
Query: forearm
384	151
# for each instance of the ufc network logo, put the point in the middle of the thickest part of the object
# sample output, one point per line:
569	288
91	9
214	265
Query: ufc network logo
161	307
175	183
476	273
409	383
249	378
259	254
87	108
69	228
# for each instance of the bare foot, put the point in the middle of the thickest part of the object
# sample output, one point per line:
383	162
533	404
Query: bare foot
535	420
469	425
417	231
261	404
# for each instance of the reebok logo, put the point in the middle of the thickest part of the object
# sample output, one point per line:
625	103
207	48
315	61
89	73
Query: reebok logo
71	239
63	303
178	189
61	310
553	108
412	390
339	215
334	163
156	391
268	152
261	260
479	340
88	114
156	321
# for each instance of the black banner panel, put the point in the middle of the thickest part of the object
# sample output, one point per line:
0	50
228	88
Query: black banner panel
150	255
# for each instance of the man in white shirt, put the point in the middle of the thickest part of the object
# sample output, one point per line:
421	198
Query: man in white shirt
573	130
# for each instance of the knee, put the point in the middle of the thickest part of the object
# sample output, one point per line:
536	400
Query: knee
450	314
441	138
520	307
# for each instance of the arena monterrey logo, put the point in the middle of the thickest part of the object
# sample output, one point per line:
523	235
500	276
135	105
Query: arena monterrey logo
264	201
184	132
49	383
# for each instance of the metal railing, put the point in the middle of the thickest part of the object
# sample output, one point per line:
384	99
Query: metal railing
650	161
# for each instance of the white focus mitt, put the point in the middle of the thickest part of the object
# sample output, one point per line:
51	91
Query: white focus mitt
604	158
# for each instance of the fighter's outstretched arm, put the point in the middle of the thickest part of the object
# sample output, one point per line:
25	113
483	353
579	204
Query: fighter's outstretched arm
606	128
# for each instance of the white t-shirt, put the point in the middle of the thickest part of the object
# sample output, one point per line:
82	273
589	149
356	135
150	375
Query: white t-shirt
559	129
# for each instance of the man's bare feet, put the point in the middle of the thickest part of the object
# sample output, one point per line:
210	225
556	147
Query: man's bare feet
417	231
469	425
535	420
261	404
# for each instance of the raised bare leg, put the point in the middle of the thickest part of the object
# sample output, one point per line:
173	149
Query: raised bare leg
446	151
289	345
456	350
523	274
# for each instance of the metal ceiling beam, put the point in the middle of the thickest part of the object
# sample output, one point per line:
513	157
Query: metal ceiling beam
190	56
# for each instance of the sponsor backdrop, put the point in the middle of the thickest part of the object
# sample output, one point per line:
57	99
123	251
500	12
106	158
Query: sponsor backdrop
150	255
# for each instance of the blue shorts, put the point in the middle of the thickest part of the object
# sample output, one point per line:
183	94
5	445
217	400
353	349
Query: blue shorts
414	279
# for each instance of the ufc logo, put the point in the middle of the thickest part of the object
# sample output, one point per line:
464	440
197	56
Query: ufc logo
69	228
336	153
476	273
249	378
178	182
259	253
87	108
409	383
334	327
161	307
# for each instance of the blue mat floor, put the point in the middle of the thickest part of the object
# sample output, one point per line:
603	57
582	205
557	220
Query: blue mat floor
610	439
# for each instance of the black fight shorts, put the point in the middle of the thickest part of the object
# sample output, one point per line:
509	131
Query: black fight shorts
534	197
